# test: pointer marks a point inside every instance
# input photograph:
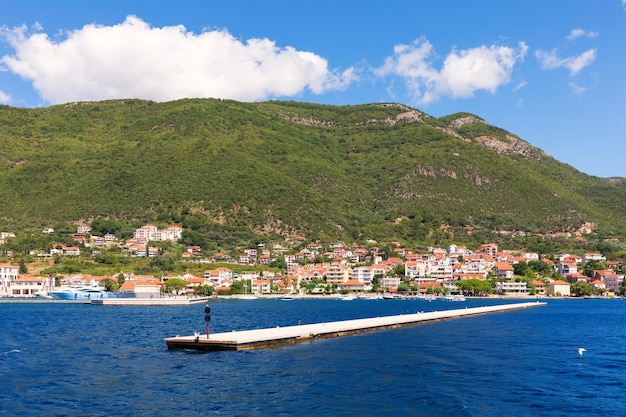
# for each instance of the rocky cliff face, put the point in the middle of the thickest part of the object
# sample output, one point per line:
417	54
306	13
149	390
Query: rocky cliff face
503	142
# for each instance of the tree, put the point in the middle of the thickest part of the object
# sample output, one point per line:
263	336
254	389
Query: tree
475	286
581	289
110	284
175	284
204	289
121	279
23	267
376	282
592	265
541	267
165	261
237	287
520	268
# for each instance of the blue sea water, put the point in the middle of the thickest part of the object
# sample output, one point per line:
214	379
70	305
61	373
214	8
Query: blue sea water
83	360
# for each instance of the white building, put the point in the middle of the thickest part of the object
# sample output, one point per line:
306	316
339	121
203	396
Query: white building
8	275
150	232
511	288
363	274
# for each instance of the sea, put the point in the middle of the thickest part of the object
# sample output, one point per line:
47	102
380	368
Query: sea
74	359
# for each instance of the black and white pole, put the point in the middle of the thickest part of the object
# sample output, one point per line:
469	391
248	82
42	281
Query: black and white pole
207	318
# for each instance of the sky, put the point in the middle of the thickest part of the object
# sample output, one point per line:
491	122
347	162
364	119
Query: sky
552	72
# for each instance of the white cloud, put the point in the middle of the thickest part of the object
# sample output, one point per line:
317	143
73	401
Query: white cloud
550	60
462	74
624	4
4	97
577	89
134	60
578	33
520	86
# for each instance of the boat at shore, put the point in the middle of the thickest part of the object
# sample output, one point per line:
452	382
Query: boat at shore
43	295
247	297
455	297
82	292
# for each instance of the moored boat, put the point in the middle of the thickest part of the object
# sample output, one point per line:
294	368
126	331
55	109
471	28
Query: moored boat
82	292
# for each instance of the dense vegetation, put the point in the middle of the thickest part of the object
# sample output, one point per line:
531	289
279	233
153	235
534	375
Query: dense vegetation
244	172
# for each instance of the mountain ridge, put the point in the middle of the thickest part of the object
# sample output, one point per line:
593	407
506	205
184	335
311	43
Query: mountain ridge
381	170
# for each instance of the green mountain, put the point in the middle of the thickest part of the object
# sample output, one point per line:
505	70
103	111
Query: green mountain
225	168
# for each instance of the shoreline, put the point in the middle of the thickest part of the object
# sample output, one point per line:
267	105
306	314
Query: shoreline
180	300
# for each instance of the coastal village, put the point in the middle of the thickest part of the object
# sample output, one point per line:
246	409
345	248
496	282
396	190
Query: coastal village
315	269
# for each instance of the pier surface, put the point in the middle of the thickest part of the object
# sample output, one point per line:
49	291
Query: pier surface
164	301
265	338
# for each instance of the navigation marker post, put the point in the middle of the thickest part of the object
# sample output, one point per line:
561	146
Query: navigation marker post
207	319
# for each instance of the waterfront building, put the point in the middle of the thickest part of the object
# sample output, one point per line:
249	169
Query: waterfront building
559	288
337	274
512	288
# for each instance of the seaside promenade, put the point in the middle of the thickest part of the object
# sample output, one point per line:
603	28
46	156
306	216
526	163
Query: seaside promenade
271	337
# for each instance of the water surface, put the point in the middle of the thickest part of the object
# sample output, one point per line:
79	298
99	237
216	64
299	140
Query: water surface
77	360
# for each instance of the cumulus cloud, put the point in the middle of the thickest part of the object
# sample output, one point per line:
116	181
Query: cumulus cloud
4	97
462	74
551	60
579	33
135	60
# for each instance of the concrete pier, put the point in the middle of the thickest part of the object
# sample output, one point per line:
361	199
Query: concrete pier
266	338
164	301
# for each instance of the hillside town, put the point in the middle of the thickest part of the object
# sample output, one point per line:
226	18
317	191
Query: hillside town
336	268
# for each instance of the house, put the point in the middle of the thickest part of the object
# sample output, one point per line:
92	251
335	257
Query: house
433	286
592	257
576	277
364	275
28	285
489	249
261	286
512	288
504	270
142	287
567	266
414	270
612	281
540	287
599	284
71	251
216	276
337	274
559	288
390	283
350	285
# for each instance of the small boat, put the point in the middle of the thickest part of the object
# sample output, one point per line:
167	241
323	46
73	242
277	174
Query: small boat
43	295
286	298
247	297
451	297
347	298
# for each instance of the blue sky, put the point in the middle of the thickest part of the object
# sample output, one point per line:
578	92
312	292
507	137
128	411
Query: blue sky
552	72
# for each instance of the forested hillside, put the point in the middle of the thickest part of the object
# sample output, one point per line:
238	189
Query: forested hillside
235	170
